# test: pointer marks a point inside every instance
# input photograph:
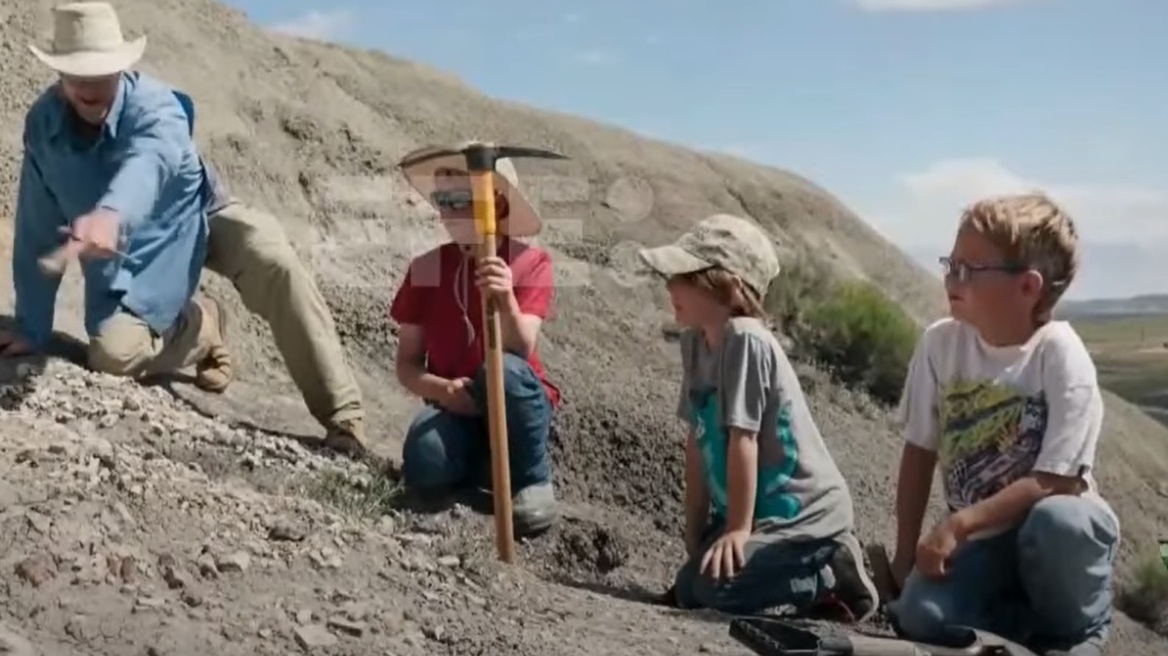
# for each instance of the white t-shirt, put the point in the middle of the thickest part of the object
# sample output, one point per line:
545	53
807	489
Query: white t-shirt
996	414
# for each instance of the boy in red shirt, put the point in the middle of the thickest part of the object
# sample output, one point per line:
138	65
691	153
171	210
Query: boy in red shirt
440	346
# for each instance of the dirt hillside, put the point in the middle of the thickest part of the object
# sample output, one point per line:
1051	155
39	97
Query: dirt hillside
161	521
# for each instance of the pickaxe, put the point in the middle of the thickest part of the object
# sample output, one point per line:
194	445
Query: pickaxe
480	161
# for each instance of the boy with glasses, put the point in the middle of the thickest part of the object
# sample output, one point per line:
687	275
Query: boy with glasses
1006	401
438	308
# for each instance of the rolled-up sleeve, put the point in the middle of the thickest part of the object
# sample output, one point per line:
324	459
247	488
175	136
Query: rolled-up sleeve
157	138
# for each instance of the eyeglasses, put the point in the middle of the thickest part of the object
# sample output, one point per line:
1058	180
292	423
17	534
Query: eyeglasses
452	199
963	272
461	199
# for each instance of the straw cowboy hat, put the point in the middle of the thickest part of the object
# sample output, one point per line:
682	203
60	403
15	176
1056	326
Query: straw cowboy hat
522	220
88	41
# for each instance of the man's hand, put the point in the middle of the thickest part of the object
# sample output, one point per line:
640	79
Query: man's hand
934	551
458	399
726	556
493	277
13	345
97	233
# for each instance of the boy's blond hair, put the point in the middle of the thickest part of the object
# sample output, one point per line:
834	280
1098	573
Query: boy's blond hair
1032	231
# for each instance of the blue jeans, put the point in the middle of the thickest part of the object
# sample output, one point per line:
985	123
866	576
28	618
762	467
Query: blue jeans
774	573
1046	583
443	450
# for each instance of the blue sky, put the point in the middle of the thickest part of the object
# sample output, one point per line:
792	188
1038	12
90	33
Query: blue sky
907	109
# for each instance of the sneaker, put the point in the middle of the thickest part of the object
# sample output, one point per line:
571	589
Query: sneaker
534	509
348	437
854	589
215	372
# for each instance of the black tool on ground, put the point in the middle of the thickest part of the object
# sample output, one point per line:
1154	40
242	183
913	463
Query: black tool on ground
770	636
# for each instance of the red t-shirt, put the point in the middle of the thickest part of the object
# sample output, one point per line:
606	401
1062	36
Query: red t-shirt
430	297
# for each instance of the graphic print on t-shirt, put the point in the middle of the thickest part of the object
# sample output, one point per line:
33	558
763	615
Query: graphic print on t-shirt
990	437
712	439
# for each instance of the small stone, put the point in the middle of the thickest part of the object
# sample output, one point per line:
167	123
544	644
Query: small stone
40	523
207	567
387	524
191	598
314	636
128	569
286	531
151	602
175	577
449	561
36	569
304	617
239	561
355	629
77	627
435	632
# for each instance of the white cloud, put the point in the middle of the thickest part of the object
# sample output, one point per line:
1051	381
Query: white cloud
596	57
319	25
1112	217
1104	212
933	5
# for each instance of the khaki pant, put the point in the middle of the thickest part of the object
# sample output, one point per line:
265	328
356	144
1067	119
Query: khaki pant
125	345
249	248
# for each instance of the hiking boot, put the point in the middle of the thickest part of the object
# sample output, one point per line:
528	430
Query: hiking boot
347	436
534	509
854	590
214	373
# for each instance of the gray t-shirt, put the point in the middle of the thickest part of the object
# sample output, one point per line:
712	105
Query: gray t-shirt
748	383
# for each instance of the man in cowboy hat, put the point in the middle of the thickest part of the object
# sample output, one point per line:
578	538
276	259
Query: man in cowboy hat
110	175
245	245
440	345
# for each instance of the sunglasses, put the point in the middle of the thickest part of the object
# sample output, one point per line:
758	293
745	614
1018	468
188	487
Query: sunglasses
452	199
461	199
963	272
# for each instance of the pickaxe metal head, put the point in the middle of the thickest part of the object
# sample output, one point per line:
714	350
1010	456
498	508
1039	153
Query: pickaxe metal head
479	155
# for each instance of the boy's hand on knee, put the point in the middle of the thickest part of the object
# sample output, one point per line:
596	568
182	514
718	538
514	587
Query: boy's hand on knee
726	556
458	399
934	551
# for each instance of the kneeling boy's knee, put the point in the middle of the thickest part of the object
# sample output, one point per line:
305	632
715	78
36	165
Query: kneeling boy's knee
921	612
1055	523
424	461
518	374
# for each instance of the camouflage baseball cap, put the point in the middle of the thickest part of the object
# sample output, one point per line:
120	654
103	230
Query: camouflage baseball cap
733	243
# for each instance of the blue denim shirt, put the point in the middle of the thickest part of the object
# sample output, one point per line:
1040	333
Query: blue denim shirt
143	165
